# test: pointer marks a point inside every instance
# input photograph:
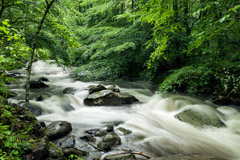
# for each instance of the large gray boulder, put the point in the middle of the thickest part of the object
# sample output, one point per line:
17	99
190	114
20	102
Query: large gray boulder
200	119
109	98
58	129
108	141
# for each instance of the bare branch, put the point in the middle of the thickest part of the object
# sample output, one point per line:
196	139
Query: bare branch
95	147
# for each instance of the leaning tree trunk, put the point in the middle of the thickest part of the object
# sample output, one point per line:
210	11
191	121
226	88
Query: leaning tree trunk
29	67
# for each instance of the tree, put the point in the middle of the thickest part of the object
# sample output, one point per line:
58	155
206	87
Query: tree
29	67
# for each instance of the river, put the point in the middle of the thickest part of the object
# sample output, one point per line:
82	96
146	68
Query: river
155	129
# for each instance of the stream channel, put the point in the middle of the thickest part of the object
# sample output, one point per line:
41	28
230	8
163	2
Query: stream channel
156	131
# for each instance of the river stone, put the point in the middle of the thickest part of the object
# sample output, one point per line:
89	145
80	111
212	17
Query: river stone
97	88
189	157
36	110
66	107
105	130
120	157
37	85
69	90
55	153
58	129
88	138
67	142
114	89
68	151
108	98
108	141
43	79
200	119
92	131
124	131
40	149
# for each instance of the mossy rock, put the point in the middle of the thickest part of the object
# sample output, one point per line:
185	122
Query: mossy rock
200	119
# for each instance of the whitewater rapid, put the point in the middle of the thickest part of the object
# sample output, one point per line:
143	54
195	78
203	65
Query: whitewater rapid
155	129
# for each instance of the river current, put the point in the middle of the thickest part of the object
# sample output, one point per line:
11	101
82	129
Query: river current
155	129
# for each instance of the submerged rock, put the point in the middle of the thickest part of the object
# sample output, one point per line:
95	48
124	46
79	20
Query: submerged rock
69	90
88	138
58	129
189	157
97	88
108	141
37	85
123	131
43	79
200	119
109	98
36	110
66	107
120	157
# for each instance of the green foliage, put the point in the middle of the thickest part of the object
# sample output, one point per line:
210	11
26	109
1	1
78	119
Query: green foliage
13	141
74	157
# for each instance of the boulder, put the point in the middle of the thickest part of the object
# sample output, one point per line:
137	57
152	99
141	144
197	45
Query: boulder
92	131
68	151
69	90
66	107
120	157
200	119
40	149
189	157
113	88
105	130
88	138
97	88
58	129
123	131
108	141
36	110
37	85
55	153
43	79
109	98
67	142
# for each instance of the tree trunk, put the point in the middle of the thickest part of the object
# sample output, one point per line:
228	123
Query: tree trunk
132	6
29	67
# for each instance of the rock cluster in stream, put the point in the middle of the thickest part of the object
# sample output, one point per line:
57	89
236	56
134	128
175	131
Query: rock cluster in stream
102	96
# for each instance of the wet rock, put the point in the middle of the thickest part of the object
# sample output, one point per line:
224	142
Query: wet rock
58	129
120	157
105	130
189	157
69	90
42	124
88	138
55	153
92	131
68	151
67	107
37	85
123	131
36	110
67	142
43	79
114	89
100	133
109	98
40	149
108	141
200	119
39	98
97	88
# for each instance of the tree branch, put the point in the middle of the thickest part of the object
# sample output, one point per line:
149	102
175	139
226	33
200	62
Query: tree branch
47	2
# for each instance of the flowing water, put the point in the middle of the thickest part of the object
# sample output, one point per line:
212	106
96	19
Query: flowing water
156	130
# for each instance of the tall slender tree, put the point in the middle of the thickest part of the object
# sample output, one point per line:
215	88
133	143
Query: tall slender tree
29	67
